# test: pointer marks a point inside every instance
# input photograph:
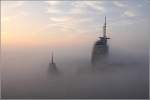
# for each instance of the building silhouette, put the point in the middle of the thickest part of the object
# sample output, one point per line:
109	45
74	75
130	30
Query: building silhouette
52	64
100	49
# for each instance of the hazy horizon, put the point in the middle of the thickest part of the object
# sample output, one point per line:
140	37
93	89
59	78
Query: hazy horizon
32	30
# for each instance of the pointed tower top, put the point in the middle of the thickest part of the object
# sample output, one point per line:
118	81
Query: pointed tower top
104	29
105	19
52	58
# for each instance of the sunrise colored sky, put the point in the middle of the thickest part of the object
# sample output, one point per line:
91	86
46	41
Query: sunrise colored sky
31	23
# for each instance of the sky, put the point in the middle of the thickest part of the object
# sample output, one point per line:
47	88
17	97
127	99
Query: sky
55	23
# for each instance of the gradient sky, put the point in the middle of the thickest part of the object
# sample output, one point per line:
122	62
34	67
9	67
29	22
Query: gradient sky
31	23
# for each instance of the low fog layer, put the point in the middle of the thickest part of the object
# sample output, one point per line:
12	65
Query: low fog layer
26	71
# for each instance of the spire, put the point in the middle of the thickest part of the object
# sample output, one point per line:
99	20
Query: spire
104	29
52	58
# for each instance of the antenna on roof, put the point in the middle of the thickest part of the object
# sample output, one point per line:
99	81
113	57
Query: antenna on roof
104	29
52	58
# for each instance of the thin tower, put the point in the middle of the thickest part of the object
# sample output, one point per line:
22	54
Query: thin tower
104	37
52	58
104	29
52	65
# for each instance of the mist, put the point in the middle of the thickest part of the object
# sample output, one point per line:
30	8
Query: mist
26	74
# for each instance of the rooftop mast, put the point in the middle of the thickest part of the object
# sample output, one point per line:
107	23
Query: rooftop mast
104	29
103	39
52	58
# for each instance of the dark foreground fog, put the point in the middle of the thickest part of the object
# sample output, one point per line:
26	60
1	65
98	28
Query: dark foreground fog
121	73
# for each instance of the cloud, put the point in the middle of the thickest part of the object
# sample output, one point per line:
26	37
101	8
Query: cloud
129	13
5	18
55	7
69	23
118	4
74	7
53	10
85	6
52	2
52	7
19	3
72	16
97	5
60	19
13	4
126	12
